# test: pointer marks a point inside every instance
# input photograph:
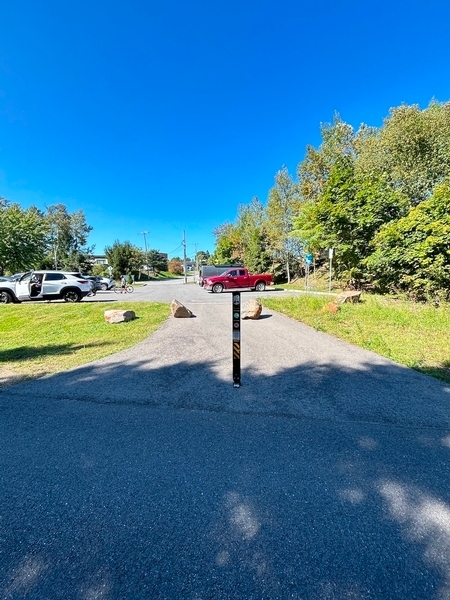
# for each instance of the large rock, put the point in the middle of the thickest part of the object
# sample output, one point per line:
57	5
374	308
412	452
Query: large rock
179	311
353	297
252	310
119	316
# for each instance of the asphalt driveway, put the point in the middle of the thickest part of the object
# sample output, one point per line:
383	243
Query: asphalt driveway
147	475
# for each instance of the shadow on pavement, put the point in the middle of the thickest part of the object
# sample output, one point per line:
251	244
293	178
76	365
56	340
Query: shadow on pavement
140	481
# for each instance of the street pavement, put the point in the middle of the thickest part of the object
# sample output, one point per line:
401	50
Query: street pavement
148	475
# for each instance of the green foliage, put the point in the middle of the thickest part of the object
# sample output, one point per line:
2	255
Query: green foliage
124	258
68	234
23	237
99	270
412	254
346	217
226	245
251	238
411	150
355	193
202	257
282	206
244	242
337	141
157	261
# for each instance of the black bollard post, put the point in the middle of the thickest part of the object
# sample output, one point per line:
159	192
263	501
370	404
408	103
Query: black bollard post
236	334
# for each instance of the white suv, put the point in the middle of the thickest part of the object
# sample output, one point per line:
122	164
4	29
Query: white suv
45	285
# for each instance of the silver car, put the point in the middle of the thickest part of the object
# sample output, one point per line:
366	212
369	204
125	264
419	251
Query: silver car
107	283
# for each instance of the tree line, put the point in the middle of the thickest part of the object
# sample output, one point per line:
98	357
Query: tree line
379	196
50	239
57	239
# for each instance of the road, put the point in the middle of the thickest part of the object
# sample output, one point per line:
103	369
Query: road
147	475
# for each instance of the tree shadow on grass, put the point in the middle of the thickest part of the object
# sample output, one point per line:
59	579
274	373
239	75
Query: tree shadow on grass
441	372
24	353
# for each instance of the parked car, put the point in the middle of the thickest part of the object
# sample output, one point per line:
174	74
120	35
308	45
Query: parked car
107	283
45	285
94	282
6	278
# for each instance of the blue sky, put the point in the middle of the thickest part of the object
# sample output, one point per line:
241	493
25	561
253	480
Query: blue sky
164	116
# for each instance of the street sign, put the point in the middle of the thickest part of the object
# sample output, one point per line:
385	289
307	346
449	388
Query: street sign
308	259
236	338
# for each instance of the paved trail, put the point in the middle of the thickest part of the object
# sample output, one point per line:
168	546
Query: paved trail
147	475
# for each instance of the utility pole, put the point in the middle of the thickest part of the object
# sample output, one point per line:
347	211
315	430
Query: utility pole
196	261
144	233
184	257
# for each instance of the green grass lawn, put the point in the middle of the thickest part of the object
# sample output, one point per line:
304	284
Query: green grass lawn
415	335
43	338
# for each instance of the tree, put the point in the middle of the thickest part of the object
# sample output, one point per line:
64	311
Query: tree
157	261
283	206
412	254
124	258
202	257
346	217
175	266
338	140
411	150
23	237
226	251
250	237
68	234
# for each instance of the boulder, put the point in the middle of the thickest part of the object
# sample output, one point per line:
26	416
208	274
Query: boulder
252	310
352	296
179	311
119	316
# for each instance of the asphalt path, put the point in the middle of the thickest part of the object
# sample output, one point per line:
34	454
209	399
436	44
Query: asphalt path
148	475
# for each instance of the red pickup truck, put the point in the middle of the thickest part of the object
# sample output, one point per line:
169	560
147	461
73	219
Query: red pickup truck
237	278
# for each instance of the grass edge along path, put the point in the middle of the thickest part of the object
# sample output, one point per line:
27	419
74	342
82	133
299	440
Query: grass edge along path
47	338
411	334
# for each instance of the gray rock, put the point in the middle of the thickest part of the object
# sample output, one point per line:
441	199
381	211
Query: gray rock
179	311
119	316
252	310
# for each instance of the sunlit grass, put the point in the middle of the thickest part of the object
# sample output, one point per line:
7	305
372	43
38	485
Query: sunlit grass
414	335
38	339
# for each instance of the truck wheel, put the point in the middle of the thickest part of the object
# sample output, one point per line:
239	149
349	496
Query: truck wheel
260	286
5	298
71	296
217	288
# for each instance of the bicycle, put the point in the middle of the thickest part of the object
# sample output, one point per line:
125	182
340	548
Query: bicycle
128	289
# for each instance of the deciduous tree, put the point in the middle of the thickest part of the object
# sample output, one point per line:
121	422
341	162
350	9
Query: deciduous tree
283	206
175	266
23	237
124	258
412	254
68	234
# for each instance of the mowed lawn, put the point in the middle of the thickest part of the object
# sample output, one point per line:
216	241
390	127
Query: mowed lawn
415	335
43	338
